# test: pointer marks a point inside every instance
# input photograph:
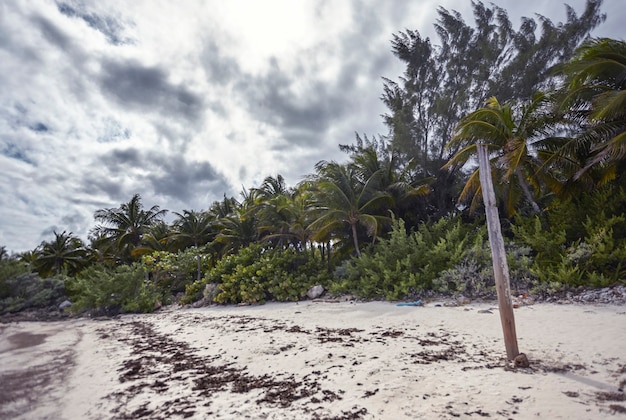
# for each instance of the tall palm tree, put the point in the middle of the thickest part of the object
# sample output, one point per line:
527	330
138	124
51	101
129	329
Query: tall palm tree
236	231
595	98
219	211
126	225
102	249
273	224
239	228
158	237
272	187
194	228
65	252
345	200
401	183
512	132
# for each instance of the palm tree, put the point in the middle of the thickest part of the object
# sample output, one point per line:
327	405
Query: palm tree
595	98
126	225
511	131
194	228
236	231
272	187
158	237
238	228
401	183
344	199
226	207
272	194
65	252
102	249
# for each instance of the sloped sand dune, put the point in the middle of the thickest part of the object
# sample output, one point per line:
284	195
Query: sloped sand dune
318	360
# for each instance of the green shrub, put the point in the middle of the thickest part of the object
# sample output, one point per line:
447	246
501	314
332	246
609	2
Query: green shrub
594	258
10	270
404	264
22	290
257	274
474	277
173	272
122	289
548	245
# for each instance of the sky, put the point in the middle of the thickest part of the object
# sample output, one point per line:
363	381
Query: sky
184	102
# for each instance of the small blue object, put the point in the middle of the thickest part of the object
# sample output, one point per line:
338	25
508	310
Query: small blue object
416	303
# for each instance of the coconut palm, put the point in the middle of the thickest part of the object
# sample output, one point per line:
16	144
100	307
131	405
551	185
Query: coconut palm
65	253
271	199
102	249
239	227
512	132
236	231
126	225
194	228
401	183
344	200
158	237
595	97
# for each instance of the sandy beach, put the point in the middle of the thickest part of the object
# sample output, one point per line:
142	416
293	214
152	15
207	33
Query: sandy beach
317	360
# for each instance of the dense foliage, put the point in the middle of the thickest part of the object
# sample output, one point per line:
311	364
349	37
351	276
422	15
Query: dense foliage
258	274
403	215
111	291
404	264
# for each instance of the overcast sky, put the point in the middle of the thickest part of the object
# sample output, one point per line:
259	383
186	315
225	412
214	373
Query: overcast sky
183	102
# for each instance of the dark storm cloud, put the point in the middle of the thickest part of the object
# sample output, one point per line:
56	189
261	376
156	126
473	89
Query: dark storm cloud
100	183
173	176
110	27
48	233
185	180
146	88
121	159
39	127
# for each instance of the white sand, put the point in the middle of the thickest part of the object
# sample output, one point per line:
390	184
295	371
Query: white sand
317	360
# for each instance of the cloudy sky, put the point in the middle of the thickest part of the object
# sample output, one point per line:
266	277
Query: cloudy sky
183	102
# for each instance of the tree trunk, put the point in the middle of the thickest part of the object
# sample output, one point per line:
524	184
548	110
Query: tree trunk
355	239
498	255
524	185
198	264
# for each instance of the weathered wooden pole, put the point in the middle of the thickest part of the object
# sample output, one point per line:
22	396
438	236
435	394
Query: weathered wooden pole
498	255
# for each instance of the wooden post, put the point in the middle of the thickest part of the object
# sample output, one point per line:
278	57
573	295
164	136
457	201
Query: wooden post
498	254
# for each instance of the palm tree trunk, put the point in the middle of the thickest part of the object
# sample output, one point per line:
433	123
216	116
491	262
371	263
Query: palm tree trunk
198	265
355	239
328	254
524	185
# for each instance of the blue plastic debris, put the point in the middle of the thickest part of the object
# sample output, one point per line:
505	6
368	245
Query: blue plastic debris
416	303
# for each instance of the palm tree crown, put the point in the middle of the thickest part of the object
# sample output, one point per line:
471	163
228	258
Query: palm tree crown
126	225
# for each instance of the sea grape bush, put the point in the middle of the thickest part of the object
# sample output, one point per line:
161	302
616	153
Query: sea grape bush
171	272
125	288
404	264
258	274
578	248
